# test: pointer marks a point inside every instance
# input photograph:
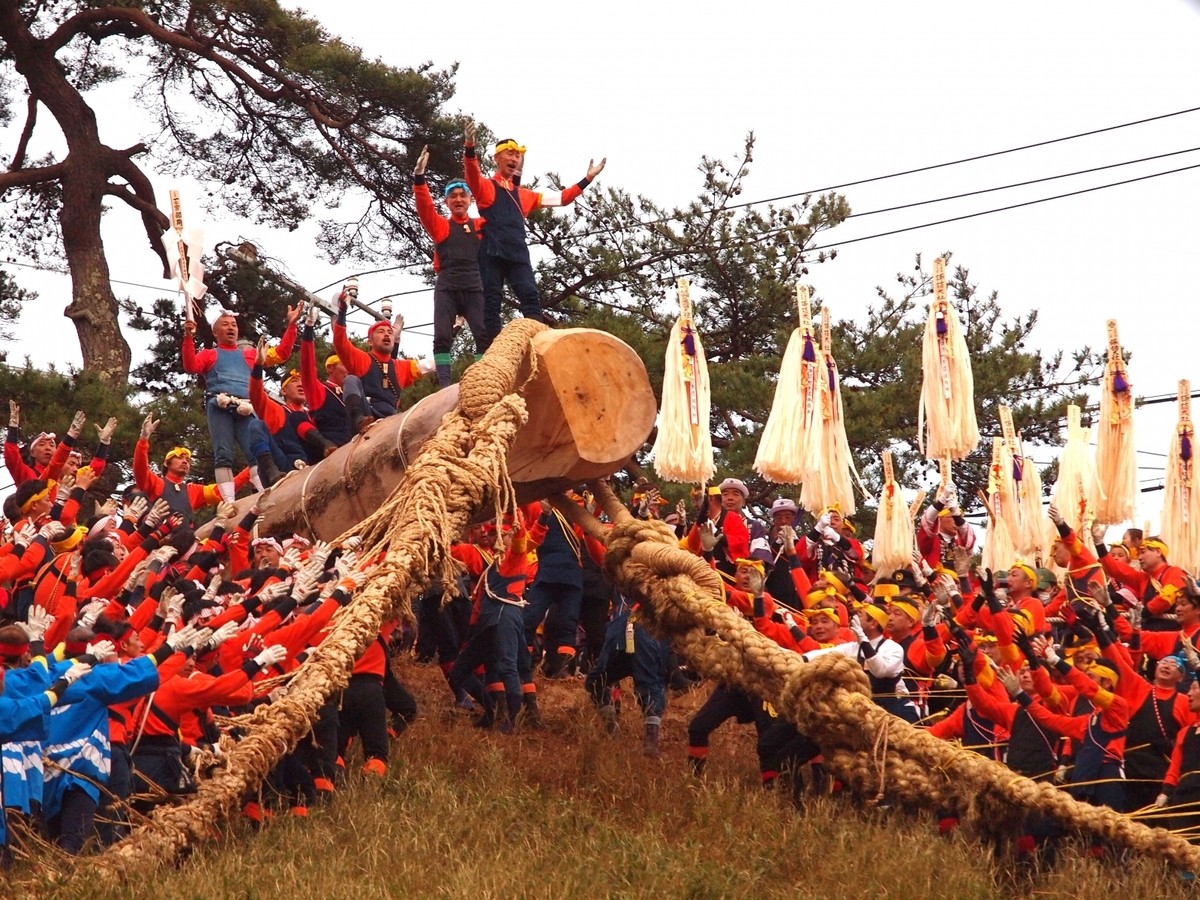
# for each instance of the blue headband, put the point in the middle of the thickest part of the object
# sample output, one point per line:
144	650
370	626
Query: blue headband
453	185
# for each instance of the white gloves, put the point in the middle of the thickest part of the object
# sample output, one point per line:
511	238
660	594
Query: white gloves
37	622
103	651
824	522
708	536
425	366
831	534
856	627
183	638
930	614
271	656
24	536
91	612
1160	801
1098	531
787	534
1055	515
222	634
52	531
77	671
1052	656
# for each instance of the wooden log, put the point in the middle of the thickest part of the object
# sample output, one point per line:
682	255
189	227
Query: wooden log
590	408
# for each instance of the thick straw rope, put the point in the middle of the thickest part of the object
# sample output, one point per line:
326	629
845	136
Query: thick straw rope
461	468
829	699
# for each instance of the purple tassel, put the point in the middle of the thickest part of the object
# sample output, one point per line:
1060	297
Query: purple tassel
1185	446
941	324
1120	385
1017	468
832	376
810	355
689	342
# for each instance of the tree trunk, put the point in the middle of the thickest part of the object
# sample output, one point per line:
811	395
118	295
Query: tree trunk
590	408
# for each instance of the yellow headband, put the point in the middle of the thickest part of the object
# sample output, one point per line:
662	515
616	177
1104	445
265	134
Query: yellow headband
71	541
291	376
509	144
332	360
177	451
812	598
944	513
1155	544
907	608
824	611
40	495
883	589
876	613
1027	570
753	564
834	582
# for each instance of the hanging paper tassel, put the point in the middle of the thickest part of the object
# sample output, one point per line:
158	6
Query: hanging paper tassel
1007	499
1033	520
947	408
1181	497
782	449
828	480
683	449
1075	491
1116	459
999	549
893	547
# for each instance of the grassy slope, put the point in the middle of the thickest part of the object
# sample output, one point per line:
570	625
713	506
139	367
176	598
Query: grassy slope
569	813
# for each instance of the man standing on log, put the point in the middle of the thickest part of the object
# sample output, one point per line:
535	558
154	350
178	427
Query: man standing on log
457	292
504	205
226	372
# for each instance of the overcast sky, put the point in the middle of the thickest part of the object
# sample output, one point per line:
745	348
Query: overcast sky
835	93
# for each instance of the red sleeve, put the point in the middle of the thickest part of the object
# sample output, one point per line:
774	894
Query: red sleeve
437	226
992	707
483	189
196	362
737	536
801	580
1073	727
950	727
265	408
16	465
1157	644
1176	767
596	549
110	584
141	617
281	352
314	390
1130	685
1125	574
143	477
356	361
54	468
1164	601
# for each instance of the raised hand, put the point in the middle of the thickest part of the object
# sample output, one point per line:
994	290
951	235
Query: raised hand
106	432
422	161
595	168
469	133
149	425
14	414
77	423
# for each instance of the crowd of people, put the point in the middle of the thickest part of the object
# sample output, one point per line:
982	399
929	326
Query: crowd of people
130	642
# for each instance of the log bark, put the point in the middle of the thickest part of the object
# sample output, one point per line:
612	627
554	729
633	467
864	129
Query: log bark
590	408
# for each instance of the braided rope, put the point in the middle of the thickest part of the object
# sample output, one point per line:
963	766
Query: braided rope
828	699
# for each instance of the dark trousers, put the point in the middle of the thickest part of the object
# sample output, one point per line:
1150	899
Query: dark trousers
449	303
647	665
399	701
75	823
722	704
494	271
319	748
364	714
561	629
781	748
113	817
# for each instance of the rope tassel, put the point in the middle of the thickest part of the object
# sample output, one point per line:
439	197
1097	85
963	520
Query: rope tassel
946	425
893	547
1181	501
1116	459
784	449
683	448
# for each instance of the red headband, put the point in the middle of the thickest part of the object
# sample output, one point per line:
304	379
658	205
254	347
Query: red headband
13	649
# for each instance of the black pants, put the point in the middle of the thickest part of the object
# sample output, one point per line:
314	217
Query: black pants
75	823
399	701
364	714
319	748
450	302
495	271
781	748
725	703
113	816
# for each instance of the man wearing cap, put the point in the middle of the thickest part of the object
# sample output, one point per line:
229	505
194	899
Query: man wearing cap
375	376
745	537
504	254
289	423
457	290
323	398
786	580
943	528
1157	585
184	498
226	371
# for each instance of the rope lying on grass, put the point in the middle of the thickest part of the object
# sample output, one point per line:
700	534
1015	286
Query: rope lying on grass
828	699
458	471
